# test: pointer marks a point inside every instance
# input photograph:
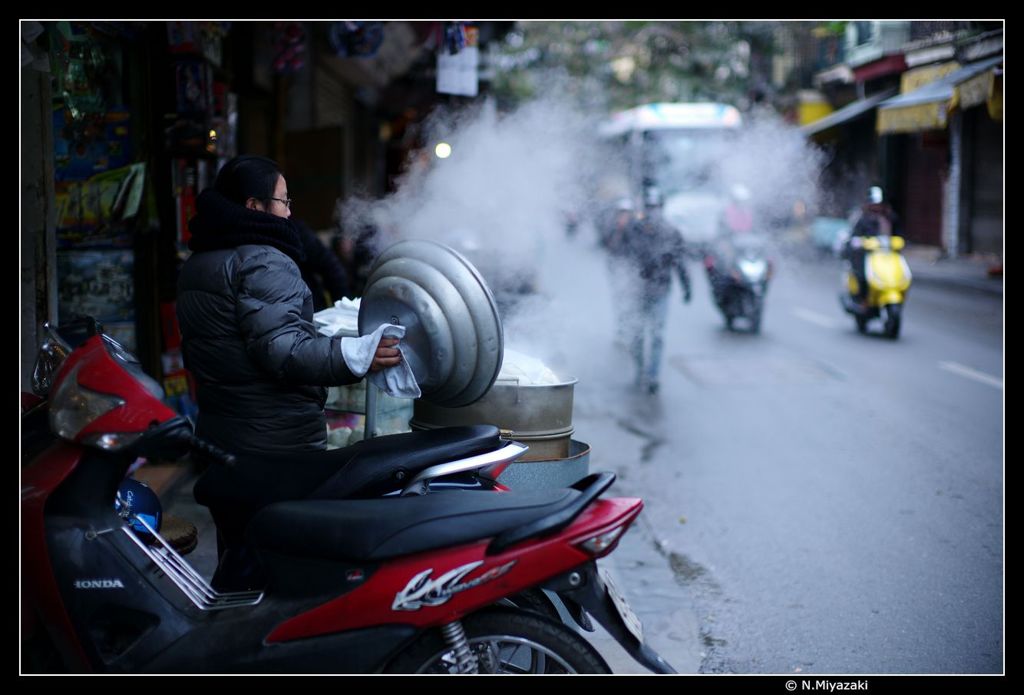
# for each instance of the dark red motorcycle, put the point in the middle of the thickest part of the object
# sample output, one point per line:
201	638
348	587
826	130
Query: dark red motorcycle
408	573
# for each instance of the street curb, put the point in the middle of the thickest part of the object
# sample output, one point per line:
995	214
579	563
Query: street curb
671	627
991	287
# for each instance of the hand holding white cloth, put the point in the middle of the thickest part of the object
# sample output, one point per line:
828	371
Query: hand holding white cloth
397	381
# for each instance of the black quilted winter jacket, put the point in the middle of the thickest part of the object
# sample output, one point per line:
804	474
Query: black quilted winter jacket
247	334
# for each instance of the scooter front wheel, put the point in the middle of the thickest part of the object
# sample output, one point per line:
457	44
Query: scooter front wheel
504	641
892	320
756	310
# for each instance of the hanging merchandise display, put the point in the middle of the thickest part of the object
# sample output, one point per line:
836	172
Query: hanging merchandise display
81	69
197	123
191	87
458	60
198	38
200	125
99	283
91	131
186	188
91	145
289	47
223	131
98	190
100	210
454	37
356	39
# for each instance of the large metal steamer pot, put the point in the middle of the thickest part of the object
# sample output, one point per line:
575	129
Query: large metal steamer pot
454	345
454	342
538	415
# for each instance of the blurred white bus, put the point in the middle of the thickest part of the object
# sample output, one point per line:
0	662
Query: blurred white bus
677	147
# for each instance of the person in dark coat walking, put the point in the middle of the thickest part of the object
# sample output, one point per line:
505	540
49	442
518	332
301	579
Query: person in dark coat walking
322	270
358	248
655	249
261	368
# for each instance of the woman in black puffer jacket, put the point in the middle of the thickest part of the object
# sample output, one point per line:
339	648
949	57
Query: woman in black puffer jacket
261	368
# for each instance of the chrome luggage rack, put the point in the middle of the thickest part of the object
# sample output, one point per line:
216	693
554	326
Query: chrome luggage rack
509	452
190	582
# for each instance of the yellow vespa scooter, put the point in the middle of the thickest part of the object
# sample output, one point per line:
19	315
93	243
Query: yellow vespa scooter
888	279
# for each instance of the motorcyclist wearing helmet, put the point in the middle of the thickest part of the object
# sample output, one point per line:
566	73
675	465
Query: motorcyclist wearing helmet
736	220
615	222
876	216
737	217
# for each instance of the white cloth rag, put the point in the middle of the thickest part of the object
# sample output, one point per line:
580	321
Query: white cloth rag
397	381
342	319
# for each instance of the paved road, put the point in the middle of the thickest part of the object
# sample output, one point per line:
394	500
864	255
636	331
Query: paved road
818	501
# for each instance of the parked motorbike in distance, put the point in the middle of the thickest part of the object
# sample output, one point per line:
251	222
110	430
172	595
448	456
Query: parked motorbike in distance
738	270
888	280
411	582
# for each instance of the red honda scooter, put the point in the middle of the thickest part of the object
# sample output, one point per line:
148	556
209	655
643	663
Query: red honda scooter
407	581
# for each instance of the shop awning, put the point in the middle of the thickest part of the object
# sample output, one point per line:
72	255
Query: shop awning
847	113
928	107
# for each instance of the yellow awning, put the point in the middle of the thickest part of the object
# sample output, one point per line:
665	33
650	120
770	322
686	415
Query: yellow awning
812	111
986	88
847	113
919	77
928	107
995	102
912	119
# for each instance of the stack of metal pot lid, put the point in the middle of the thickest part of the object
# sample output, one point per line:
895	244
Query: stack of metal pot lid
453	341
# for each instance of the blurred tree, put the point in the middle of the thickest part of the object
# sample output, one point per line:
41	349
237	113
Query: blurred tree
613	65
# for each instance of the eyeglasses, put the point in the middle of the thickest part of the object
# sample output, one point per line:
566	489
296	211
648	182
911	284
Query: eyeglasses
287	201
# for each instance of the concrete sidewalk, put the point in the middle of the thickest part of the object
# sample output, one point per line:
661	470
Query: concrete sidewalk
980	272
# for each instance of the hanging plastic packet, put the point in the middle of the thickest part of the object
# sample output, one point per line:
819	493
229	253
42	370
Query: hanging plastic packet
454	37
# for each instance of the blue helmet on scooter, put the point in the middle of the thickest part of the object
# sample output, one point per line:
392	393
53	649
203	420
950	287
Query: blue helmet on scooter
135	499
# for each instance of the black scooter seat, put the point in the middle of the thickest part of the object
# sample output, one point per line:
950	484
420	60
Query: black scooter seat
368	468
377	529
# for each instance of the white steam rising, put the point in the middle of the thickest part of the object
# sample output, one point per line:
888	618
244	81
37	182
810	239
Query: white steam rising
505	187
503	197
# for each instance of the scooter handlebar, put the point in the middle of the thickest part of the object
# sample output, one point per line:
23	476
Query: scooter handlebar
212	452
175	438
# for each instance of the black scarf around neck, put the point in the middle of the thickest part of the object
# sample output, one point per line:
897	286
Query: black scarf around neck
222	224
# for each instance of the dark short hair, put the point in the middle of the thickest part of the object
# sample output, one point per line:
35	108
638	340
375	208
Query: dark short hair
247	176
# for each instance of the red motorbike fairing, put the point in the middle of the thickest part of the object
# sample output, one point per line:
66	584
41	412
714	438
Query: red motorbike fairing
454	581
104	375
38	481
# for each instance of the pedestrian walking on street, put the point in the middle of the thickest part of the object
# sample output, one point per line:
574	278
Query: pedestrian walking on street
655	249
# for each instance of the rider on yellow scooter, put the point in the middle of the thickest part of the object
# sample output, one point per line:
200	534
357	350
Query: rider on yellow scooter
875	218
878	276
